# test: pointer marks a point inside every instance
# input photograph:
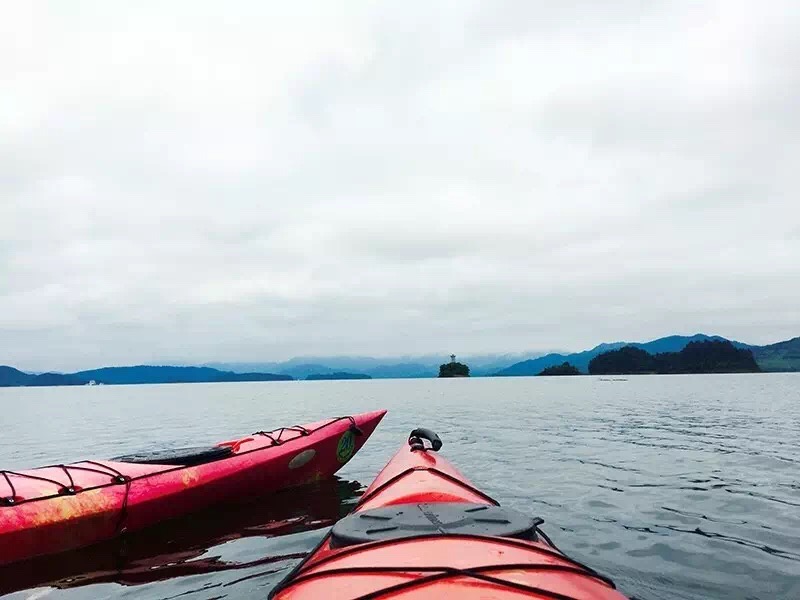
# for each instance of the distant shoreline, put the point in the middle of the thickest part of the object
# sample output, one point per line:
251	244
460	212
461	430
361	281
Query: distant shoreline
779	357
362	379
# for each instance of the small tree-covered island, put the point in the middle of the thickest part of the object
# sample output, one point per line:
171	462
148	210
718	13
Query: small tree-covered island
453	368
338	375
562	369
696	357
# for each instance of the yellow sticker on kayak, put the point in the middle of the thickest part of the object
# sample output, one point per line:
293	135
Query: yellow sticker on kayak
346	446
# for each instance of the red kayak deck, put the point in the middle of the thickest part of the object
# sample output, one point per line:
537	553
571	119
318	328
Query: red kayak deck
412	536
63	507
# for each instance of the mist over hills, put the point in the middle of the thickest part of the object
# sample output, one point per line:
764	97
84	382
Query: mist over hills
399	367
782	356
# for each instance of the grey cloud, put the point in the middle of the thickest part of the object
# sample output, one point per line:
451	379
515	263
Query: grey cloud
186	184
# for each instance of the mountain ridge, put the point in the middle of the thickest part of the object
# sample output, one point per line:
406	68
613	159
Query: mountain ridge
780	356
140	374
671	343
706	356
11	377
395	367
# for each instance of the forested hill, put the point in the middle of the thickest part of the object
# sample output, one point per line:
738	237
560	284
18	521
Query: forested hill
560	370
672	343
338	375
11	377
166	374
783	356
696	357
453	369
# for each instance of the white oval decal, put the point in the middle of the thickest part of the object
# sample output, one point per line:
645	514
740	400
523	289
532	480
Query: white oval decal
302	459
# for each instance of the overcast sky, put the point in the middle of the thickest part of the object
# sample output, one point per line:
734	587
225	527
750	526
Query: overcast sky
197	181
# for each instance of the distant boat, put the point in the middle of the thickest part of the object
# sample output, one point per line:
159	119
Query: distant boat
92	382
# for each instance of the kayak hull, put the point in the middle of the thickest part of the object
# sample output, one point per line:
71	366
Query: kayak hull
435	560
59	508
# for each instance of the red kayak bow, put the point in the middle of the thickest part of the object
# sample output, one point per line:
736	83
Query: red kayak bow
423	531
63	507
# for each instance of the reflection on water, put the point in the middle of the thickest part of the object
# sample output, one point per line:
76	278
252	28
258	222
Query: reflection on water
194	545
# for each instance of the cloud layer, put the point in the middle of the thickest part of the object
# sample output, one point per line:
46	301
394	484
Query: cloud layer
192	182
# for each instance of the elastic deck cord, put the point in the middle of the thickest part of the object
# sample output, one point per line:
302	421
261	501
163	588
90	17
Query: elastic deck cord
117	478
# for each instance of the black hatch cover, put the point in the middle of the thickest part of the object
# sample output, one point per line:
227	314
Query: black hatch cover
177	456
408	520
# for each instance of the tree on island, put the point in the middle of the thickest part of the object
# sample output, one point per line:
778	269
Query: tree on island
627	360
336	376
453	368
697	357
708	357
562	369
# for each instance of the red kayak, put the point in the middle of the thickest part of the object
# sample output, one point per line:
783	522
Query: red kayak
423	531
63	507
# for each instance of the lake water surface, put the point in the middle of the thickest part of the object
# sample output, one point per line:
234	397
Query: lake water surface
676	486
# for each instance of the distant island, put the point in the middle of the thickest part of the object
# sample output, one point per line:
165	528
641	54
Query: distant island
563	369
336	376
453	368
10	377
696	357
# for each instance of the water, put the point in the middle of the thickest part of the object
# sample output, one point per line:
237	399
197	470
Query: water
676	486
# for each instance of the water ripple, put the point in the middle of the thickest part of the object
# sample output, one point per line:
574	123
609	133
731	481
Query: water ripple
679	487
